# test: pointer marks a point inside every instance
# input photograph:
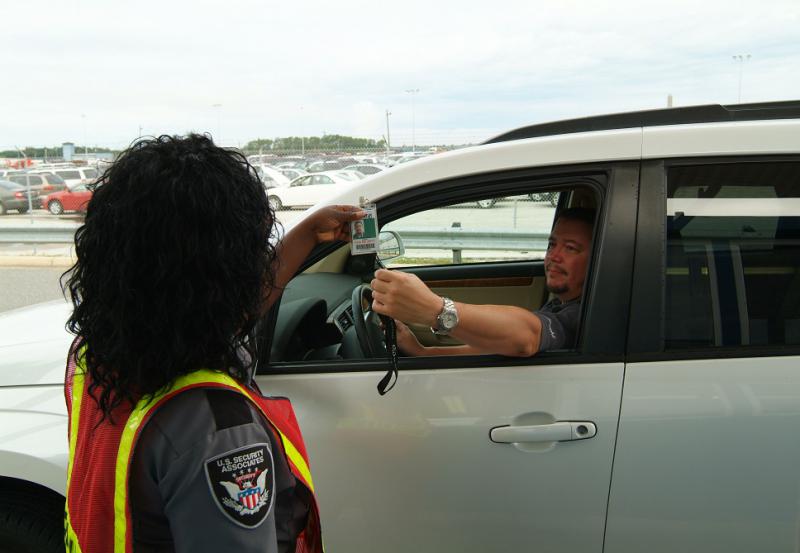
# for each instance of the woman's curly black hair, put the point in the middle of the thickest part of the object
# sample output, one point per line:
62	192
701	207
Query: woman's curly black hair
174	261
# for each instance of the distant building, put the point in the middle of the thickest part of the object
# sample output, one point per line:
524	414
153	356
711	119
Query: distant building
67	151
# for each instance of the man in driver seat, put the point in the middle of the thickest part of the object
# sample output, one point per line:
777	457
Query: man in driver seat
500	329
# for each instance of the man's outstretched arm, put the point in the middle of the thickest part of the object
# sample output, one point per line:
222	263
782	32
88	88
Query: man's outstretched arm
502	329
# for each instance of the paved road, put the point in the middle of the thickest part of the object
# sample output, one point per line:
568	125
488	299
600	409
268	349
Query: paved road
23	286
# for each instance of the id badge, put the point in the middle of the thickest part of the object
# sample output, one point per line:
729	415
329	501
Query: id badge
364	232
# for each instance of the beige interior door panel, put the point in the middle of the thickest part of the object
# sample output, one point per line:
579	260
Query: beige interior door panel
525	292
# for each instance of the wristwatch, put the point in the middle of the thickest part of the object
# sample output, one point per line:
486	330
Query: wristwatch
447	320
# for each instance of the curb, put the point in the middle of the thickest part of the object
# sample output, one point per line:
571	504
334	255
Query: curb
36	261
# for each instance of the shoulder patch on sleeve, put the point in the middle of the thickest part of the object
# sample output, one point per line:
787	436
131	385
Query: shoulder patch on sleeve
242	484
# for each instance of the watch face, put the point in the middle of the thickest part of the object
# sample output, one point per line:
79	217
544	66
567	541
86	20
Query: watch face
449	320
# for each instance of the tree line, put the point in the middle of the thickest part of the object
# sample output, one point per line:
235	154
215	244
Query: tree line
325	142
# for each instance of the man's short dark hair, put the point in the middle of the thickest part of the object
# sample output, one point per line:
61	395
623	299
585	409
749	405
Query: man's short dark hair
582	214
174	261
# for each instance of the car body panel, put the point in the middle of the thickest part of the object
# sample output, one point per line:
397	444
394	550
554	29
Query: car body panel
33	435
39	329
707	457
423	453
724	139
534	152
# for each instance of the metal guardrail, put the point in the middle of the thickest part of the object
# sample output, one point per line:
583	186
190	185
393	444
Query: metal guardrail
448	238
29	234
457	240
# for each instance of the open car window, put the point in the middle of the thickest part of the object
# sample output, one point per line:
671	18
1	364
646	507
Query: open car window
485	230
495	256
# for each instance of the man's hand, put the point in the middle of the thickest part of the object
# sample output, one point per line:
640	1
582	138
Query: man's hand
333	223
407	343
405	297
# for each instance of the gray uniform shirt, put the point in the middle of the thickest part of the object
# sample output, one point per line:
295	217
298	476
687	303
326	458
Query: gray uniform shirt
559	324
183	500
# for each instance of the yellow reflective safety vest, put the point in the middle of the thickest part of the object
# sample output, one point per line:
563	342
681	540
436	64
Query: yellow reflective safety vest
97	516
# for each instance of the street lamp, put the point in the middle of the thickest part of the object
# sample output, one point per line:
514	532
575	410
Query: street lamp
85	153
741	58
302	134
388	136
413	92
219	121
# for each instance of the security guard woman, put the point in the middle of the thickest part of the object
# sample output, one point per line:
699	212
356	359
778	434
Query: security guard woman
172	446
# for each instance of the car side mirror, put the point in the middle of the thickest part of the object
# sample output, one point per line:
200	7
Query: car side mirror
390	245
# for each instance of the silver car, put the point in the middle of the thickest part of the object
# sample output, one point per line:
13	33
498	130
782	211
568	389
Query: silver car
670	426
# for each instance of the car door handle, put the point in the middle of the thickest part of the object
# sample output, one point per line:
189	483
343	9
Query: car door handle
562	431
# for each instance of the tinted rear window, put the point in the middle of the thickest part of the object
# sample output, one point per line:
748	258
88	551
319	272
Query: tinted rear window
69	174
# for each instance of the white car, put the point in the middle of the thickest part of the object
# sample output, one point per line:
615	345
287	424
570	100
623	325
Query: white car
670	426
366	168
270	176
292	173
74	176
309	189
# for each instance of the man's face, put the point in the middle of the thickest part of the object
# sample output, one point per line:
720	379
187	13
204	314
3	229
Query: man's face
359	227
567	258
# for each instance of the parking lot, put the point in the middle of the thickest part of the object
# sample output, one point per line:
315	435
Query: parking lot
23	269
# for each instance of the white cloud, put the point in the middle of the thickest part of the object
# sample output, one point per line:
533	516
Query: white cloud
305	68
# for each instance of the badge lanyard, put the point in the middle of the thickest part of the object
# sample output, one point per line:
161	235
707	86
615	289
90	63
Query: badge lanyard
390	333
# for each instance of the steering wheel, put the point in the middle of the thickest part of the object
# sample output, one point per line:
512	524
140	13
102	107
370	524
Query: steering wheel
367	323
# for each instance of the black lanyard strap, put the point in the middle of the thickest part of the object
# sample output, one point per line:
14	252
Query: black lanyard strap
390	333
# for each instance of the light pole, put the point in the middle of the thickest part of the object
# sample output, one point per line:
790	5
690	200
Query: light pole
85	152
218	107
413	92
388	136
741	58
302	135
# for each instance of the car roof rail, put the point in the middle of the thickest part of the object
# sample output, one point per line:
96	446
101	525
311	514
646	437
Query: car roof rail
712	113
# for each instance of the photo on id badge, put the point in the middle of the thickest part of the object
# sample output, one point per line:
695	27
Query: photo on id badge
365	232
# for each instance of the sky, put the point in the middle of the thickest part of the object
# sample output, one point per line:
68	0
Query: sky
102	73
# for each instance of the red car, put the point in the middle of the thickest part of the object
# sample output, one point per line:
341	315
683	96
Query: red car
74	199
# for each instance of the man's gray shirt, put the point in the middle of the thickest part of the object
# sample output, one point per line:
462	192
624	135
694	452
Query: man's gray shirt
178	502
559	324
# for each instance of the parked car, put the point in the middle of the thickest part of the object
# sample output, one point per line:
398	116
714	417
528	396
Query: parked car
366	168
549	197
271	177
42	183
73	176
14	196
669	426
75	199
292	174
307	190
327	165
349	174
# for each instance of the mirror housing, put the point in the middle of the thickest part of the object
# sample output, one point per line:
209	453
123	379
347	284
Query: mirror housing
390	245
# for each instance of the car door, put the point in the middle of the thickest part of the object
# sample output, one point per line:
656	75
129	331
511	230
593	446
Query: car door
418	469
304	191
707	452
77	198
313	190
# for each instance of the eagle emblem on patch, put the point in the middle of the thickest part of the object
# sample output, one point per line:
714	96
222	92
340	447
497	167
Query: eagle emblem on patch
242	483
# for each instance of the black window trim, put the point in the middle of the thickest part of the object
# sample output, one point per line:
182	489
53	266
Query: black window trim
647	327
604	319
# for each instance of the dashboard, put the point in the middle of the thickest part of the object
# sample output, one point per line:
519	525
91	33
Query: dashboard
315	319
